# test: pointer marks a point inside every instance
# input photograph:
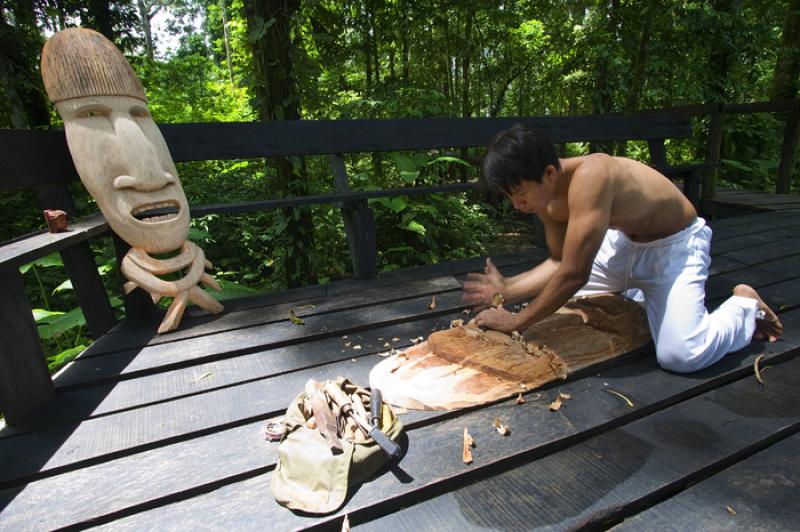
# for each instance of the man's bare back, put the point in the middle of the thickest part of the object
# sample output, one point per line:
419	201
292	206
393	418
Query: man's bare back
646	205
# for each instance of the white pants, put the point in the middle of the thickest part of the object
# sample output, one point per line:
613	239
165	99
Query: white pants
671	274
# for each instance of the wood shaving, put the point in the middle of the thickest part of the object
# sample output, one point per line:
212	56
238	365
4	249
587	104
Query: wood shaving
456	323
356	347
469	443
294	319
416	340
498	300
347	343
757	371
627	401
501	429
346	524
466	312
395	339
730	510
380	339
520	399
555	405
205	375
432	304
564	396
303	307
387	344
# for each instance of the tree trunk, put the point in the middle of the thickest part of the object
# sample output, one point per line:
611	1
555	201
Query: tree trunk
637	79
100	19
228	58
145	16
405	42
465	64
787	67
603	100
19	78
270	21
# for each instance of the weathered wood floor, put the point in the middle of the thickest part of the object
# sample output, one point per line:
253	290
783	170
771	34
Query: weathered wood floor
166	433
733	202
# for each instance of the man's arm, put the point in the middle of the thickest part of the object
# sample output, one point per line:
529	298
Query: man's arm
481	287
589	201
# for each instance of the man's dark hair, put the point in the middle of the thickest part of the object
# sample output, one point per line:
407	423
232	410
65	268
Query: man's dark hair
515	154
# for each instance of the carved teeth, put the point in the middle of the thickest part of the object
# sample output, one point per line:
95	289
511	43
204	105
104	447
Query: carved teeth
142	212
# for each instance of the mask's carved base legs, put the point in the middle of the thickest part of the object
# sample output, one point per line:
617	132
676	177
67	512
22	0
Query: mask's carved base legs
142	270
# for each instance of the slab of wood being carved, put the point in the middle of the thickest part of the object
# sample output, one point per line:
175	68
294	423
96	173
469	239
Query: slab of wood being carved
466	366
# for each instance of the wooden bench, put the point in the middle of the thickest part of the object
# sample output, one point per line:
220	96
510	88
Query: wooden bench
39	160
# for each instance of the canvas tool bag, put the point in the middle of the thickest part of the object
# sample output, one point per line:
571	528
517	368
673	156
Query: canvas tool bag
309	477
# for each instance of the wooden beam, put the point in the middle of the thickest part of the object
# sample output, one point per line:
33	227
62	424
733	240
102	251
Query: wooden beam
791	139
713	145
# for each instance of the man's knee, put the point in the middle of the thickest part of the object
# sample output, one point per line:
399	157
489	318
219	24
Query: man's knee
681	357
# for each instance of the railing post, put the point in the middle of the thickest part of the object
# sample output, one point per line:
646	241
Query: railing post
359	224
25	381
791	138
713	146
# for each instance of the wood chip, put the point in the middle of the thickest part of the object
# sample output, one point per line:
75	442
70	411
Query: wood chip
294	319
501	429
520	399
456	323
347	343
395	339
387	344
555	405
432	304
466	311
469	443
757	371
627	401
356	347
730	510
498	300
416	340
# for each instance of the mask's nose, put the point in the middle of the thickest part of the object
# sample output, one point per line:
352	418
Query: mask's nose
142	168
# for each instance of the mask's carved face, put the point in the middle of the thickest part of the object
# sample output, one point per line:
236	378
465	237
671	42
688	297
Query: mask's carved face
125	165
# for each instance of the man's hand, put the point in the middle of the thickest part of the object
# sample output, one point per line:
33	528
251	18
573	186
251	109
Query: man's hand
480	288
498	319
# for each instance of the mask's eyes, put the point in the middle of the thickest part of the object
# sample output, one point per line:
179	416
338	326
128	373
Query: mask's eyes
139	112
91	112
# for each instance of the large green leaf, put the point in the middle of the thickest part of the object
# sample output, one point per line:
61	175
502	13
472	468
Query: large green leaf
56	361
58	326
54	259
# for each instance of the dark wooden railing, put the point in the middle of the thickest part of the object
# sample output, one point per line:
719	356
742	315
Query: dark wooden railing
39	160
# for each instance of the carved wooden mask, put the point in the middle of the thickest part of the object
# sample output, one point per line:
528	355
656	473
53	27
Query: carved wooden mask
119	152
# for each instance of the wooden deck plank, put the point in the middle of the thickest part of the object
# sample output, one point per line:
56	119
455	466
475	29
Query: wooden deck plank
129	338
602	479
226	344
758	493
434	460
763	226
432	435
86	403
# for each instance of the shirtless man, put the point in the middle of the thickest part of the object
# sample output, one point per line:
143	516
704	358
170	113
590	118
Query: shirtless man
612	225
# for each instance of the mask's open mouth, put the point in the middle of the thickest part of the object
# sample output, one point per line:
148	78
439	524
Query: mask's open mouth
160	211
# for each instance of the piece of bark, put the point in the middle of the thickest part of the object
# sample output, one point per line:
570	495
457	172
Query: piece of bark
56	220
464	366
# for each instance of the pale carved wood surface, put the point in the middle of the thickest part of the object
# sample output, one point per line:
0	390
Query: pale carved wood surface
464	366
